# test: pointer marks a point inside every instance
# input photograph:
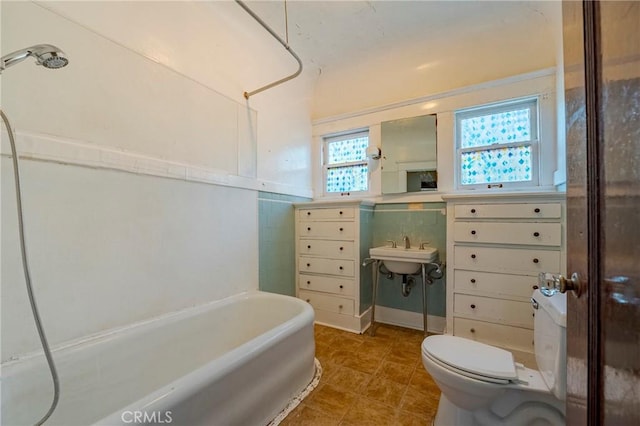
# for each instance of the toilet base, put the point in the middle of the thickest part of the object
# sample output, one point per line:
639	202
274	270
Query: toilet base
448	414
527	414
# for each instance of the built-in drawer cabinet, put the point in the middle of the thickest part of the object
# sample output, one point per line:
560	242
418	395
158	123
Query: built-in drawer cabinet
535	234
345	268
494	334
499	247
338	286
493	309
500	285
327	248
326	214
336	230
508	211
328	262
338	305
519	261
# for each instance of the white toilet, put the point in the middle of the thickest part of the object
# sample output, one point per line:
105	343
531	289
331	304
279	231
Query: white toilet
482	385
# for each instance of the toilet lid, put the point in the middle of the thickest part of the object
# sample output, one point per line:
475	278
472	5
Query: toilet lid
466	373
478	359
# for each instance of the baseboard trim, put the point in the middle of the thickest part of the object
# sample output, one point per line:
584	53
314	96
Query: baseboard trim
409	319
352	323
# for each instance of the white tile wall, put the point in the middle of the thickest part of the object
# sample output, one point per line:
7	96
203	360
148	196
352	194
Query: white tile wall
108	248
165	216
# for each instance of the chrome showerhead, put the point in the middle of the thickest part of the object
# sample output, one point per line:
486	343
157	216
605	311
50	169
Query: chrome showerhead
53	60
45	54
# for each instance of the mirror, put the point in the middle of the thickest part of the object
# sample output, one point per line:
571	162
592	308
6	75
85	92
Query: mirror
409	155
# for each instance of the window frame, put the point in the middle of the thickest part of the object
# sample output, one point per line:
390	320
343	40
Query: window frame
531	102
326	141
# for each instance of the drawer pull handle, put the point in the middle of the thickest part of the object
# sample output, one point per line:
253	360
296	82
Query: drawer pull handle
341	229
536	234
473	256
536	210
309	247
309	228
308	213
473	306
473	210
341	268
308	282
308	264
536	260
535	287
341	212
339	306
473	280
473	330
473	232
308	300
341	248
341	286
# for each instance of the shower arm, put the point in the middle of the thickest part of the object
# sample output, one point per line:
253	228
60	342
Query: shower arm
14	58
282	42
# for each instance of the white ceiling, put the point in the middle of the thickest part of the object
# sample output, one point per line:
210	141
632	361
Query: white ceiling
326	33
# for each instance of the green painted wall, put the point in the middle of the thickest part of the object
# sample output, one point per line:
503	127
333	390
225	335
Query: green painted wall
366	272
276	229
421	222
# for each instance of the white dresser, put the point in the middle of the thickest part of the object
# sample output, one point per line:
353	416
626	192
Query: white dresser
332	240
497	245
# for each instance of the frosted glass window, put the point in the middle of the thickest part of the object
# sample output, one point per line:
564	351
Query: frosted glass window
348	178
510	164
345	163
498	144
502	127
348	150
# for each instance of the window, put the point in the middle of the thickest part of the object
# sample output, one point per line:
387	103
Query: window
497	145
345	163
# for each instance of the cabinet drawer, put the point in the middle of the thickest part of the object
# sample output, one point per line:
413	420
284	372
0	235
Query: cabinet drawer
509	211
328	230
505	285
519	261
494	334
325	302
343	287
326	266
546	234
509	312
327	248
326	214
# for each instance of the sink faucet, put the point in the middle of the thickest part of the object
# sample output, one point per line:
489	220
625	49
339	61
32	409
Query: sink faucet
407	243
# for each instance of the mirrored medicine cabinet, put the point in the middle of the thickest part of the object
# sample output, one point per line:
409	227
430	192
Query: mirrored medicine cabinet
409	155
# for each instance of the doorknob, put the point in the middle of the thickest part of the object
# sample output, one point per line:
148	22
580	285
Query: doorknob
551	284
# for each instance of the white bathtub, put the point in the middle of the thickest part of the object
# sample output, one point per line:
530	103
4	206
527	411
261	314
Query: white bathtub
233	362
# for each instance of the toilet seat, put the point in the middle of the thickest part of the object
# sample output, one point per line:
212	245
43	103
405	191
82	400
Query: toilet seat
471	359
467	373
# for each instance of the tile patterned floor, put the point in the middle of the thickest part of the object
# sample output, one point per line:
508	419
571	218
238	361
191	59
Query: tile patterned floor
368	381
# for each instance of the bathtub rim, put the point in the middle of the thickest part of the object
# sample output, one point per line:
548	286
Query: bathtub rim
202	376
104	336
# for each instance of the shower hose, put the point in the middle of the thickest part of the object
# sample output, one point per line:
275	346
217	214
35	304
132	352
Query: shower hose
27	276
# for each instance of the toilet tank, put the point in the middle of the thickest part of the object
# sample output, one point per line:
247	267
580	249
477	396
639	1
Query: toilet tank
550	340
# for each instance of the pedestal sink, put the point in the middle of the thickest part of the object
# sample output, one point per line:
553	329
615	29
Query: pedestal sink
404	260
